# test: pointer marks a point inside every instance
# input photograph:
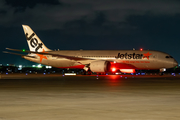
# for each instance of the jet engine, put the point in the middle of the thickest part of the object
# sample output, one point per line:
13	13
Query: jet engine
106	66
100	66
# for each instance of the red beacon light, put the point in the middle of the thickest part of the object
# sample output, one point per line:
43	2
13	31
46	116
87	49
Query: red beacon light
141	49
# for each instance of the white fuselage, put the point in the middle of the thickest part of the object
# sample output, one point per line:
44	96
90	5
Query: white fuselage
140	59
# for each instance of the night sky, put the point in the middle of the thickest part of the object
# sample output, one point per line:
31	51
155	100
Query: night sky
91	25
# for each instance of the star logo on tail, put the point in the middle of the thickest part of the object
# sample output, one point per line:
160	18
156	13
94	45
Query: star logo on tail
146	55
42	56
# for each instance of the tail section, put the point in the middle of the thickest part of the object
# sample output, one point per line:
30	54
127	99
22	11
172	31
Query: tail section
34	43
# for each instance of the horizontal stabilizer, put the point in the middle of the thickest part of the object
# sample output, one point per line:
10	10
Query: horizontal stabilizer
13	53
18	54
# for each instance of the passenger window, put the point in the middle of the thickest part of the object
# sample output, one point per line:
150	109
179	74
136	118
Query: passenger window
167	56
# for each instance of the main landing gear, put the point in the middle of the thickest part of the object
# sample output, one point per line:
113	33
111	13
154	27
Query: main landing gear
86	72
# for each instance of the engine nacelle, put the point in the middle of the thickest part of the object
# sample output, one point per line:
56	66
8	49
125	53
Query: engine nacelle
100	66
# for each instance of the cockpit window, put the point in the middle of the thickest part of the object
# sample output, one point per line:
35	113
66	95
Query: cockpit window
169	57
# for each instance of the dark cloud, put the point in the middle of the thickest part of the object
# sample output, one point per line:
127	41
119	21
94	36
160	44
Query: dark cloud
3	12
21	5
160	26
93	24
54	14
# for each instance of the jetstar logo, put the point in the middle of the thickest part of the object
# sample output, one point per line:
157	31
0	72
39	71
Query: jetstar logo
146	55
133	56
42	56
34	42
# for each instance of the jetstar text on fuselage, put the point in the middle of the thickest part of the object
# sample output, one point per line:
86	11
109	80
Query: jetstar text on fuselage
130	56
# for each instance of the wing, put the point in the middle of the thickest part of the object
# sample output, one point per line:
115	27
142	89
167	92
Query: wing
54	55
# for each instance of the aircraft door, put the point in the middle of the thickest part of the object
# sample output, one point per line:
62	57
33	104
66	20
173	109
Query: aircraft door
78	55
154	60
154	57
48	58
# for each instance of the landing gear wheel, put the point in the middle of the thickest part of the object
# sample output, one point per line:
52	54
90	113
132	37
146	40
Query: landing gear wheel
98	73
83	73
89	72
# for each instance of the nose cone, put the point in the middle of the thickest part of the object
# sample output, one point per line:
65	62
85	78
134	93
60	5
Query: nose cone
175	63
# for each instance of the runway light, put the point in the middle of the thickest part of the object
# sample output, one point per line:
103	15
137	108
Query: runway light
70	74
173	74
142	73
23	50
141	49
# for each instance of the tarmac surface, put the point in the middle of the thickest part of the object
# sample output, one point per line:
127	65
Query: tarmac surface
103	97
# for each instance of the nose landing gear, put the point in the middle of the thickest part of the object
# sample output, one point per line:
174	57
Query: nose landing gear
161	71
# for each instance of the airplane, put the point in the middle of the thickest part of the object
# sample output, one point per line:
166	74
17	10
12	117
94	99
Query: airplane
98	61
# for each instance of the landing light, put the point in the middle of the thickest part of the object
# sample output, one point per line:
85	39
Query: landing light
113	69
